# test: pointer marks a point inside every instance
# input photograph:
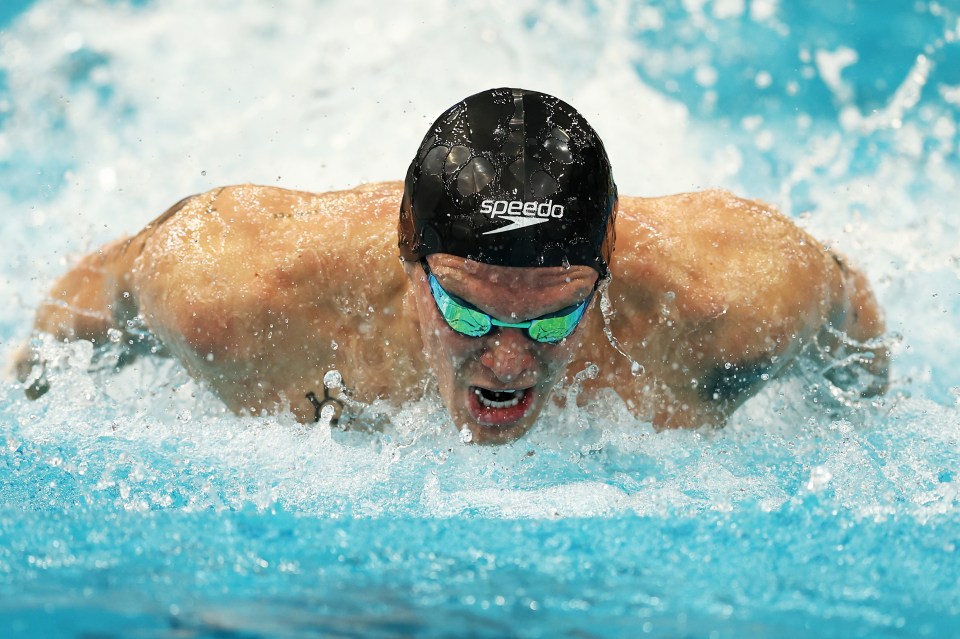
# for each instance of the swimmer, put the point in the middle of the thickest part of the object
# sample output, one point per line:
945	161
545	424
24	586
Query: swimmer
518	267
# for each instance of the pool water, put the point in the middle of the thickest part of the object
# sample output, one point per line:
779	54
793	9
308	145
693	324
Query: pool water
134	505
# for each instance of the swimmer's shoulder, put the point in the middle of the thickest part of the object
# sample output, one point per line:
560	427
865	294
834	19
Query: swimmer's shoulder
714	251
237	239
237	217
697	210
251	202
715	226
669	245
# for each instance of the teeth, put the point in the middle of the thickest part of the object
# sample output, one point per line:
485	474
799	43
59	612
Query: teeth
489	403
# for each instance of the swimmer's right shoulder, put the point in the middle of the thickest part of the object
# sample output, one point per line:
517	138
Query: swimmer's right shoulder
249	192
263	224
253	201
258	225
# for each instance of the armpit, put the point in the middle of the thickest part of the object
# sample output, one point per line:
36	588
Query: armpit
732	383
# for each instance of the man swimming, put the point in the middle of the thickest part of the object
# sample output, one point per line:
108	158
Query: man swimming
508	219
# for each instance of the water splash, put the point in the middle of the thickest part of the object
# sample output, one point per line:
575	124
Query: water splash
784	519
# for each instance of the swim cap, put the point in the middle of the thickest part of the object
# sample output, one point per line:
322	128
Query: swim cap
513	178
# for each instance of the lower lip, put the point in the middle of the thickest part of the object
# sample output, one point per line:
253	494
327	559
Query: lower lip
499	416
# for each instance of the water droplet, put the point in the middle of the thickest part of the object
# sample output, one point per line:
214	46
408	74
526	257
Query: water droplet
465	435
819	478
332	379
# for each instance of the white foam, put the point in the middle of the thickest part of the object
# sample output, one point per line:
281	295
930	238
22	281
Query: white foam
145	105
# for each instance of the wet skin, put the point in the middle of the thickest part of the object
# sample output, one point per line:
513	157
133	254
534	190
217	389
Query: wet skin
506	358
261	291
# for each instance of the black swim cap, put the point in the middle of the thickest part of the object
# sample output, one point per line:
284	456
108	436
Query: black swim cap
513	178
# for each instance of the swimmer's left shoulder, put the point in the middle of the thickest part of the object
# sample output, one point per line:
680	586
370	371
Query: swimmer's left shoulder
726	206
695	207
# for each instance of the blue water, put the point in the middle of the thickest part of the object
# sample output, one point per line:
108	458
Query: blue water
133	505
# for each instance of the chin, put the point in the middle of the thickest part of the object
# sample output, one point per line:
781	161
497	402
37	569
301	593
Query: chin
492	436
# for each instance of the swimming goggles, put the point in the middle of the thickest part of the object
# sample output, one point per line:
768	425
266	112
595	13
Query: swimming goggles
467	319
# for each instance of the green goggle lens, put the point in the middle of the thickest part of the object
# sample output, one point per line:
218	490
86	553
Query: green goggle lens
470	321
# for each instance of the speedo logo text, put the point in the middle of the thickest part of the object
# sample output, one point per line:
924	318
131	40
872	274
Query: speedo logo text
520	214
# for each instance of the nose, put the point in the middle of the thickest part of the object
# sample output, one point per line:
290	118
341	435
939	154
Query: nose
508	354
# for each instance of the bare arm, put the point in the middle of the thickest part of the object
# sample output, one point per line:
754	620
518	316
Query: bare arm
725	294
92	298
258	292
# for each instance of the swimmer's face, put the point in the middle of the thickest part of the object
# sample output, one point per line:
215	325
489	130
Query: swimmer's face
496	385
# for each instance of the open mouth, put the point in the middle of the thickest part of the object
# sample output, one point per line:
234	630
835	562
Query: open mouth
498	398
499	407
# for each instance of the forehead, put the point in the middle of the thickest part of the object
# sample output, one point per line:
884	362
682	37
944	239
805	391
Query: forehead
513	292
